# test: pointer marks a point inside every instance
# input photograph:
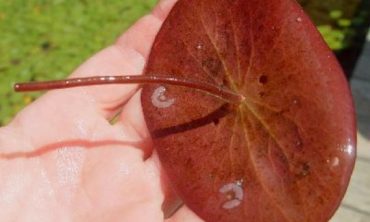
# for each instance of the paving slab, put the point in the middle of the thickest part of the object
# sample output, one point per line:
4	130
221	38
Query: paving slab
355	206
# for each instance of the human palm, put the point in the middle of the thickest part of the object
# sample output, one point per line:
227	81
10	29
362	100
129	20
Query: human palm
63	159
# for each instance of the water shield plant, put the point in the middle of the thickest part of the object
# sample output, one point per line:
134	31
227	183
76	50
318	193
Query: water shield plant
248	109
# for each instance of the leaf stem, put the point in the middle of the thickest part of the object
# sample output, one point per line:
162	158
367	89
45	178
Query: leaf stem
215	90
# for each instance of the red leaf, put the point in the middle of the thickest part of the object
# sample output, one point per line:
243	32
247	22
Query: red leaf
287	152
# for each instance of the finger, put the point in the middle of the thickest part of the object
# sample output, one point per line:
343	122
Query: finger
171	202
132	114
163	8
127	57
140	41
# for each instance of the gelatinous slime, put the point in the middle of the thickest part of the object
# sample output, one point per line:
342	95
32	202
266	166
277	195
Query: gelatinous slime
160	100
234	192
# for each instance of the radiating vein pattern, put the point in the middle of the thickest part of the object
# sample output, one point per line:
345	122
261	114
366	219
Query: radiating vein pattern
278	146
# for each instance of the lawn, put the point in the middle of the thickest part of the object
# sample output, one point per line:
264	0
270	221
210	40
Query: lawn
47	39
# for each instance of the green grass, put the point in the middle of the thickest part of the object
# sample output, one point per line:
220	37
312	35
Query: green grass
47	39
336	20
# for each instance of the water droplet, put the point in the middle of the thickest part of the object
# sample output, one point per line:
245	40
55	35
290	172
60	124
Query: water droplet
240	182
199	46
348	148
298	143
299	19
335	162
160	100
234	194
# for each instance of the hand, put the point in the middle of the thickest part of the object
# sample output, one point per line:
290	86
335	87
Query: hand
62	159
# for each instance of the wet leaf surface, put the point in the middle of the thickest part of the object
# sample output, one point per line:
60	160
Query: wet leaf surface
286	153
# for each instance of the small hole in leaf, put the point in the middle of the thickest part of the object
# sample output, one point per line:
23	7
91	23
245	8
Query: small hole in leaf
263	79
303	170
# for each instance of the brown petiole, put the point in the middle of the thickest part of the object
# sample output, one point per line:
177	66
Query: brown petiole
215	90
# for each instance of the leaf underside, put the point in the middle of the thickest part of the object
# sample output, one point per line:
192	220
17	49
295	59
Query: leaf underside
289	147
